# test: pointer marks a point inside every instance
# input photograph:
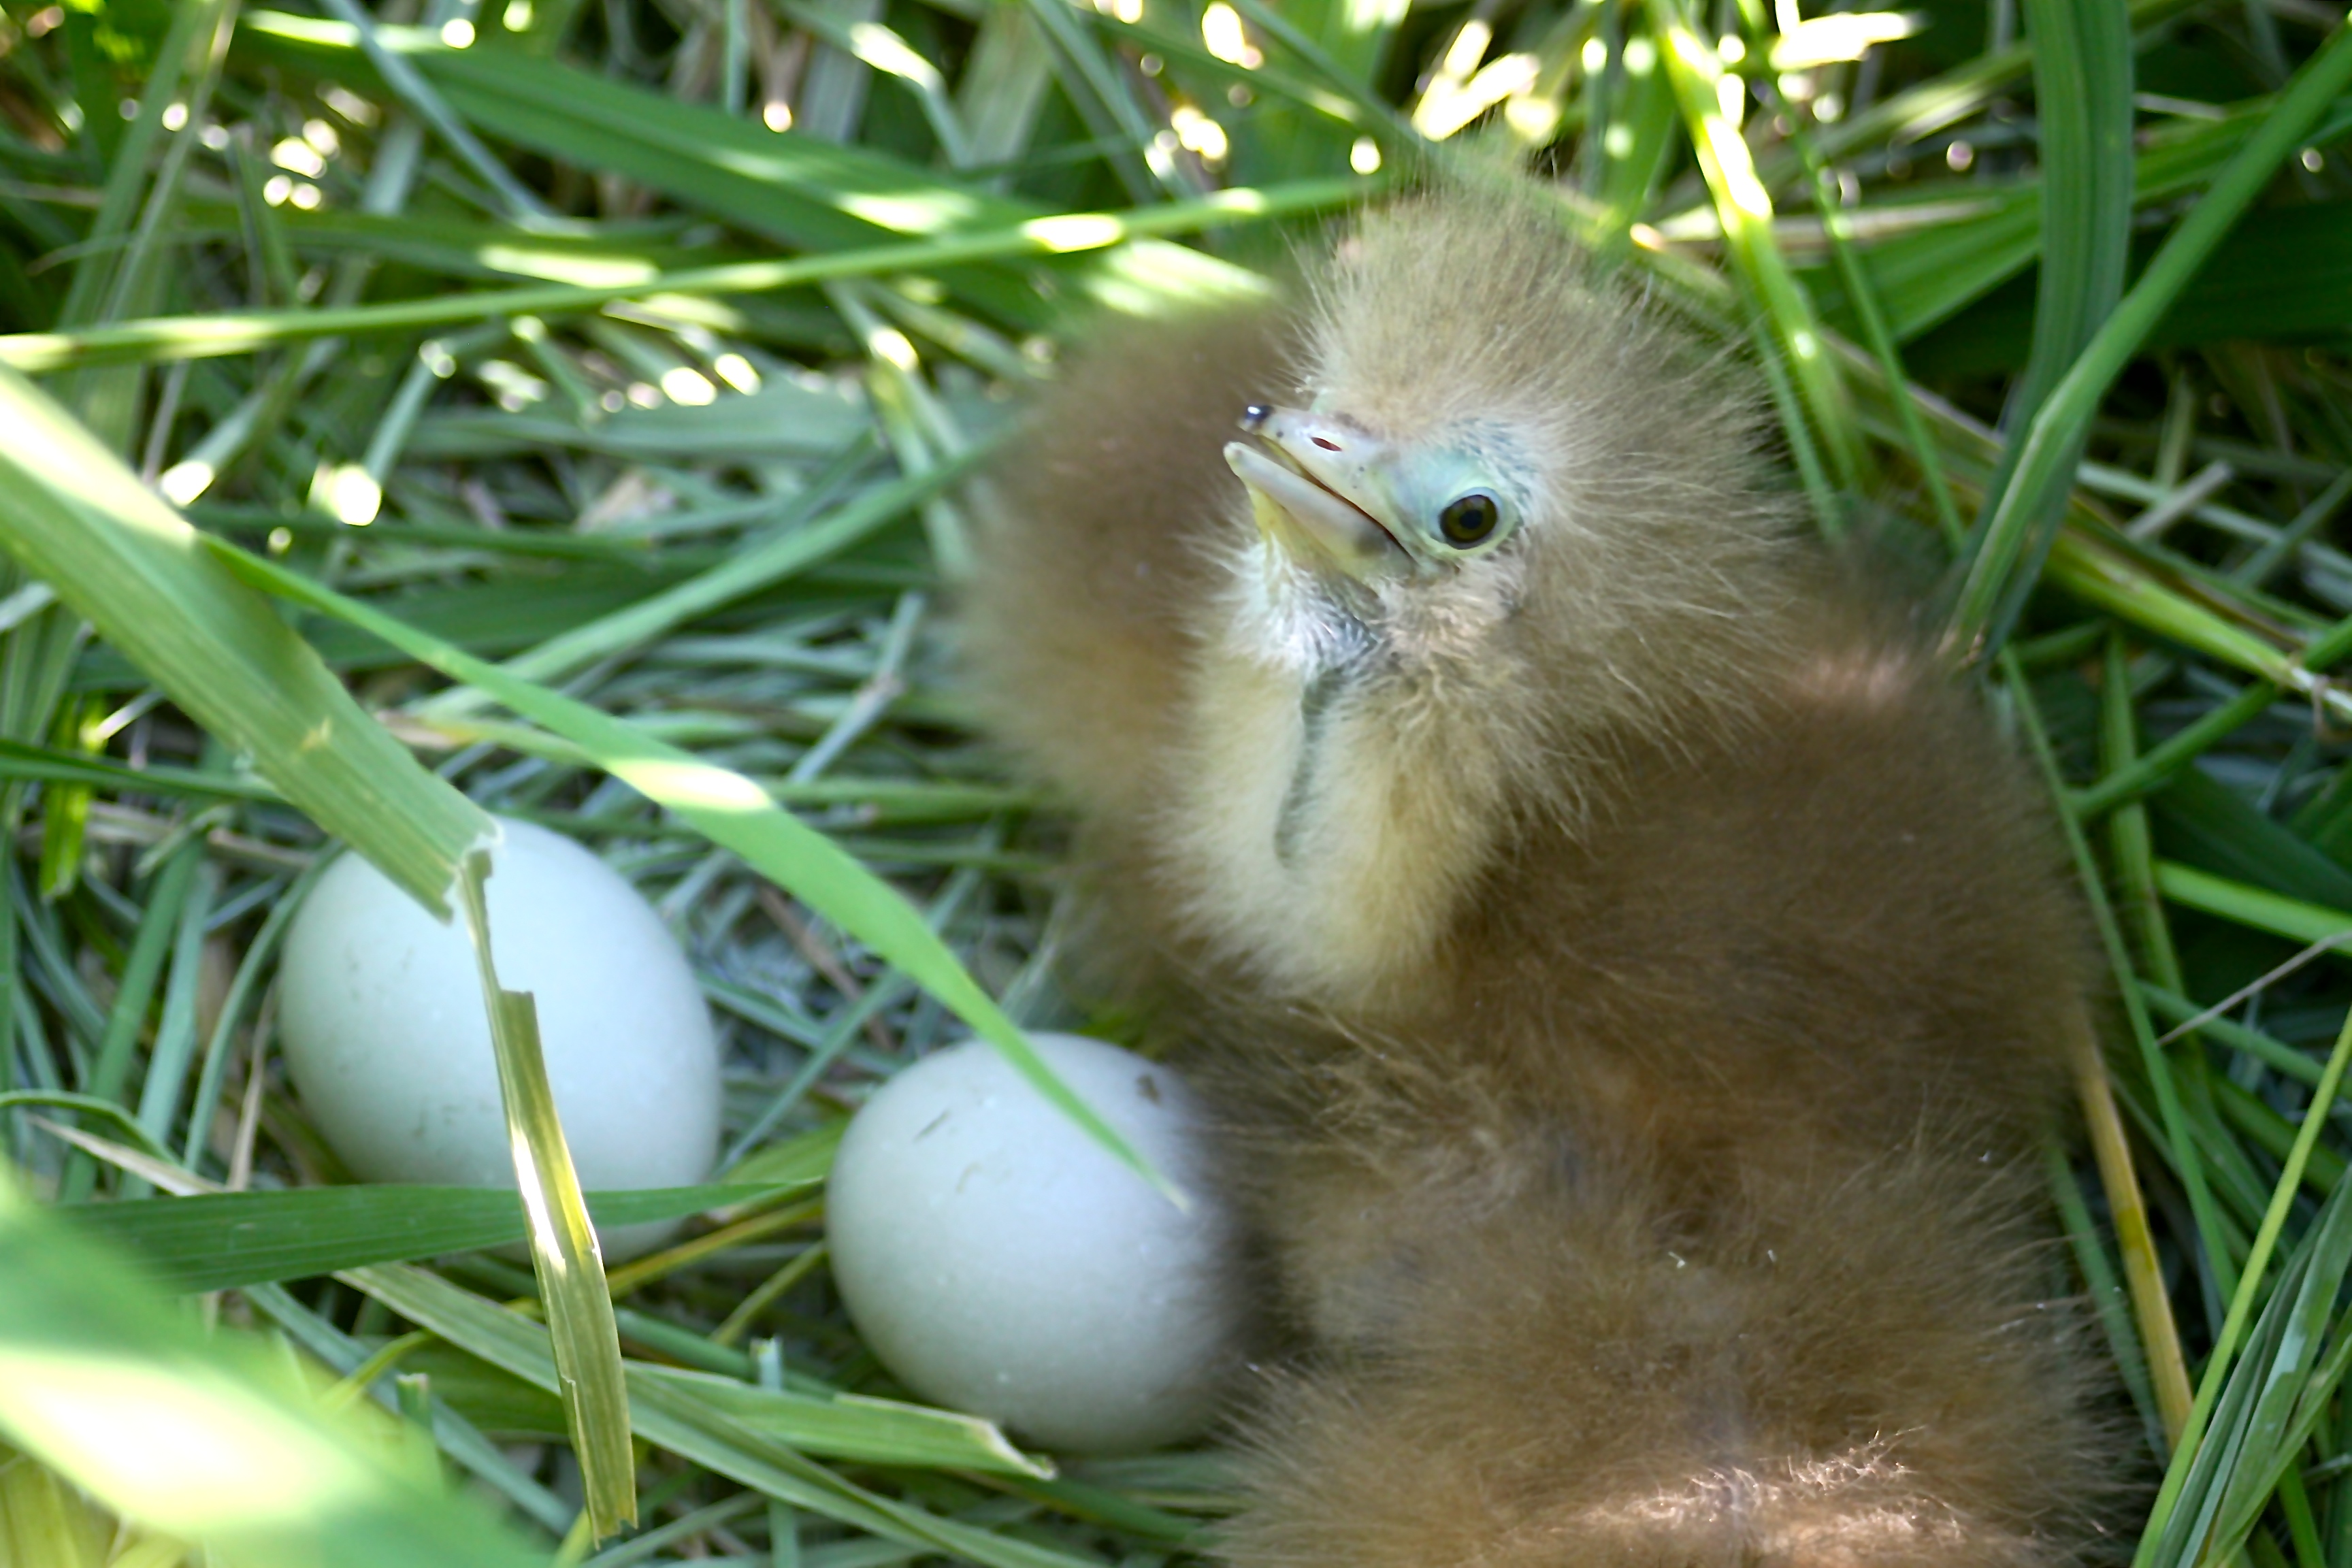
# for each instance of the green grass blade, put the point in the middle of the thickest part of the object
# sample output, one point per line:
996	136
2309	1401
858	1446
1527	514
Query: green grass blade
2088	567
1864	299
2176	1143
2282	278
663	1414
800	190
849	1427
220	1241
127	178
2293	917
173	1052
2161	761
2131	856
204	337
127	1018
426	105
2176	1494
1636	143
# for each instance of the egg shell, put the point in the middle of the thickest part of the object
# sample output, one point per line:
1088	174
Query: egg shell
1000	1262
381	1018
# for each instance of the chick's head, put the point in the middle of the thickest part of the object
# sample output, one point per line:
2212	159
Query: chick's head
1503	527
1501	469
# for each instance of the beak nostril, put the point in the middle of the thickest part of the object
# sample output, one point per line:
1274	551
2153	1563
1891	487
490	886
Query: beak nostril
1326	445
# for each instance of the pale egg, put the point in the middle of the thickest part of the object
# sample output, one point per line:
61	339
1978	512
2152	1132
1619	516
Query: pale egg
381	1018
1000	1262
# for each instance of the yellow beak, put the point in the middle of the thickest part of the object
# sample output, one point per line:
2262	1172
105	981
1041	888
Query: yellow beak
1313	486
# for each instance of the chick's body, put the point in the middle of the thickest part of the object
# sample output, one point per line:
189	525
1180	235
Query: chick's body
1633	976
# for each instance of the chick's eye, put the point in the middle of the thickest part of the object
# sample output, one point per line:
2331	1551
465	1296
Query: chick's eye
1469	520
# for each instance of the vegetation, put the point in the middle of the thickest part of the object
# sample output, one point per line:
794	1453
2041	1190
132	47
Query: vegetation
588	385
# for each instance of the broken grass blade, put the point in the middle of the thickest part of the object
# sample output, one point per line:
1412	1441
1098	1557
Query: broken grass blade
2086	566
564	1247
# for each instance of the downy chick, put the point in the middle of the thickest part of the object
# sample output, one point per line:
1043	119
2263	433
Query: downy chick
1631	974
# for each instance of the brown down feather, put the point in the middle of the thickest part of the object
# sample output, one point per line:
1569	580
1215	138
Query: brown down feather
1642	1159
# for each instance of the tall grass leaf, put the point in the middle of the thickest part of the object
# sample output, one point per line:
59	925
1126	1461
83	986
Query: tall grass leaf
99	1379
1346	42
425	104
1927	271
2083	100
1942	100
126	181
79	521
1004	84
1195	60
1745	210
2207	825
2129	855
1090	80
2176	1143
1637	143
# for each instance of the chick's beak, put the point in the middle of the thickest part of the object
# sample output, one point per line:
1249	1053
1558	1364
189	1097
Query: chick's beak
1315	487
